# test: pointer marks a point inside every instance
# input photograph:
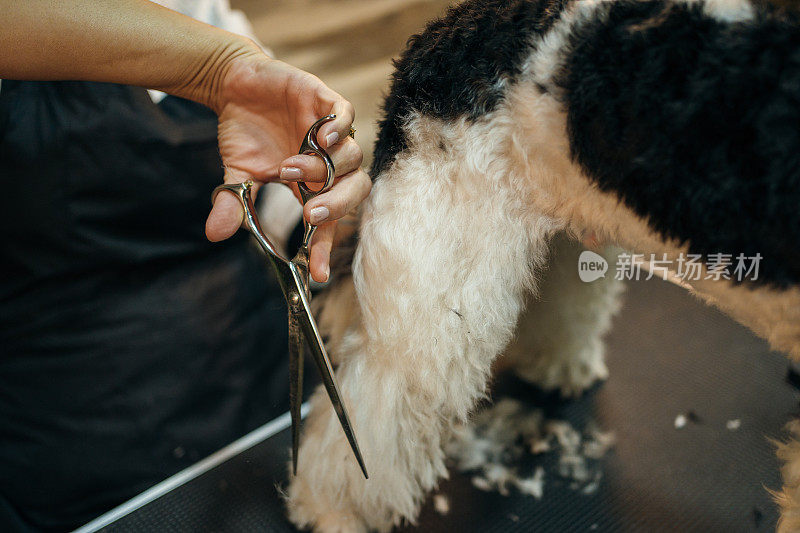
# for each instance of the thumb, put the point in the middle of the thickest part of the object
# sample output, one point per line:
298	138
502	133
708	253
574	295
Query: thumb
227	215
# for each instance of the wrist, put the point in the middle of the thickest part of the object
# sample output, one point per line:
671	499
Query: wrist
205	79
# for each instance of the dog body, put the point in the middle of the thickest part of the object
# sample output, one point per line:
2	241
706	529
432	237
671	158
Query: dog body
665	127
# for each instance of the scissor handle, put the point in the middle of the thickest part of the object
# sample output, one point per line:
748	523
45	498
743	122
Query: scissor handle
310	146
242	192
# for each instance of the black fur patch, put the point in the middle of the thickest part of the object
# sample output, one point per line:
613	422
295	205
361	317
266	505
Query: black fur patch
450	70
696	125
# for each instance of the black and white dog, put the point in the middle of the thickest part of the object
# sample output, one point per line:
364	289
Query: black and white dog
667	127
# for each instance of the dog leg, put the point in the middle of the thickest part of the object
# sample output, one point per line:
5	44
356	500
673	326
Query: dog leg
441	270
559	341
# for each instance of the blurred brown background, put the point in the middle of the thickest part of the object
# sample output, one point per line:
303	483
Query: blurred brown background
349	44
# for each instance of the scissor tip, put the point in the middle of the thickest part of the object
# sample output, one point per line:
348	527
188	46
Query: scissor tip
363	467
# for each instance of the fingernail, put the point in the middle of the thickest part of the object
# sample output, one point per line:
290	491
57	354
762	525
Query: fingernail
332	139
327	272
318	214
291	173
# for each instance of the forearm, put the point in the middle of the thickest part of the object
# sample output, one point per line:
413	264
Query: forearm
133	42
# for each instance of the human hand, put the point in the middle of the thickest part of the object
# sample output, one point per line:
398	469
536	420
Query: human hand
265	108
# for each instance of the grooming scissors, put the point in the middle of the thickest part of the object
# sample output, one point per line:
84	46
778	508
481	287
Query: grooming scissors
294	281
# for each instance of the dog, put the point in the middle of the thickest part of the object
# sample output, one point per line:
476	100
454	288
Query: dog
514	128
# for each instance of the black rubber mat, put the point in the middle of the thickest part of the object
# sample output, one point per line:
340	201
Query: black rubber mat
668	355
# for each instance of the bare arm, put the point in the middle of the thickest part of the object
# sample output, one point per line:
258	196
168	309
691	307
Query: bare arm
133	42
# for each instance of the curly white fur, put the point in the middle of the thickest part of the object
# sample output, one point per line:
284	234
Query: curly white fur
450	240
439	297
559	340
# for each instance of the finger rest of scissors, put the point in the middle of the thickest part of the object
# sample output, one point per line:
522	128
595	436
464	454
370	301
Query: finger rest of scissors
310	146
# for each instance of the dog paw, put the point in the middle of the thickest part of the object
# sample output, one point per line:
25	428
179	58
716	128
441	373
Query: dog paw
310	509
570	374
325	521
339	522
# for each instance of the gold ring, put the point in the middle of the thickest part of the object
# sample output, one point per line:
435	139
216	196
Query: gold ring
352	133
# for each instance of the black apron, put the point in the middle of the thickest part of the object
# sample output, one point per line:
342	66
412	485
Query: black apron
130	347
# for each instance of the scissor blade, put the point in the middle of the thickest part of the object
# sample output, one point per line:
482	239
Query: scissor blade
296	342
315	344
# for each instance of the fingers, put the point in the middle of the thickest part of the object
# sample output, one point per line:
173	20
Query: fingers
320	253
339	128
342	198
348	192
226	215
346	157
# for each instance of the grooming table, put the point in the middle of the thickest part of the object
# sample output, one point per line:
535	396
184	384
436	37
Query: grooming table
668	354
